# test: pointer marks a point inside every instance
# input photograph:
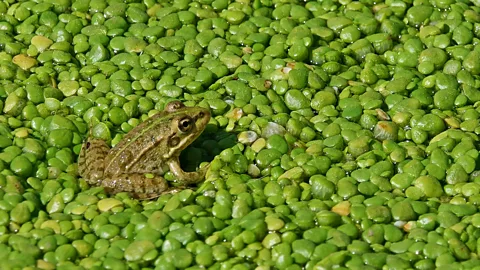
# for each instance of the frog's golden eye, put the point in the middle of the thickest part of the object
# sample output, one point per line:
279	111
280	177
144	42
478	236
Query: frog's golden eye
201	115
185	124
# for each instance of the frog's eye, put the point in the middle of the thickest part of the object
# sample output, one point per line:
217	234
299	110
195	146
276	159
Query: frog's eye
185	124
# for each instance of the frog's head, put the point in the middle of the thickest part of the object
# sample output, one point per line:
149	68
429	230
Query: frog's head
187	123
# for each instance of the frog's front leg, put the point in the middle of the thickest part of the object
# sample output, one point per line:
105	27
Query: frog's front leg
139	185
186	178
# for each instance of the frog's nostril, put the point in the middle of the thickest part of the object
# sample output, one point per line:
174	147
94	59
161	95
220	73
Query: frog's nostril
87	145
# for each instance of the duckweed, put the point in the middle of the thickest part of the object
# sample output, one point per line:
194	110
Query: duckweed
344	134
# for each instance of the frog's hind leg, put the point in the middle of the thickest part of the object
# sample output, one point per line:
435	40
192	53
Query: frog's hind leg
137	184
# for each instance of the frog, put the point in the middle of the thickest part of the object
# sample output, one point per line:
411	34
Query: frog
138	162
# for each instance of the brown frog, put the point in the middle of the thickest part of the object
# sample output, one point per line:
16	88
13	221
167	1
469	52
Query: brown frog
137	163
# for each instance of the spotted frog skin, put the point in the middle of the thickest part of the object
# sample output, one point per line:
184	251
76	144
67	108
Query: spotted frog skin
137	163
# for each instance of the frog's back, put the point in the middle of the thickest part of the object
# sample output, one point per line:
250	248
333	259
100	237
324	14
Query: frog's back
144	138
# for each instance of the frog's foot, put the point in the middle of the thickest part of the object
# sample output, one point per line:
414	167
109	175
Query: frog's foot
174	190
138	185
188	178
171	190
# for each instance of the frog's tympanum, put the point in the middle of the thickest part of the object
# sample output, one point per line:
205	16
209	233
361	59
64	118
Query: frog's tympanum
137	163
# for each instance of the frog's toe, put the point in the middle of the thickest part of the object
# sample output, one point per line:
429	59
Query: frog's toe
174	190
144	196
204	169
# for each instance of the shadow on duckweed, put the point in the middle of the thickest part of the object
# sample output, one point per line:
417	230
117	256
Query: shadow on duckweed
204	149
